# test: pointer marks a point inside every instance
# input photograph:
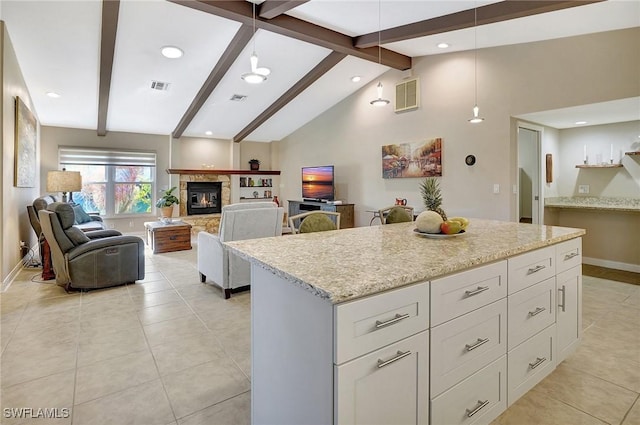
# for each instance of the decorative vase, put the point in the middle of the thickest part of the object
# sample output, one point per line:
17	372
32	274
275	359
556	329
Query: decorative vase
275	199
254	166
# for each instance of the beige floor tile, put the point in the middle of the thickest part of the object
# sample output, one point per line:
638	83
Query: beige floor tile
113	375
107	343
140	288
186	352
164	312
536	408
21	364
226	316
236	411
152	276
236	341
201	386
633	417
199	290
144	404
613	340
170	330
30	335
594	396
633	301
51	392
156	298
109	319
115	294
597	283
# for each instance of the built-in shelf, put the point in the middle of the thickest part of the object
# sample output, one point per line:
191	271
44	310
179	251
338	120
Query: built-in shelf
213	171
632	153
599	166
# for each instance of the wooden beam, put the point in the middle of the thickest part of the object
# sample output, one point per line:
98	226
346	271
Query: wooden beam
110	10
289	26
269	9
318	71
240	40
491	13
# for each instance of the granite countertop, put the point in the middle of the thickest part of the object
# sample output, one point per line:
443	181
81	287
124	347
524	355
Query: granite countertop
594	203
347	264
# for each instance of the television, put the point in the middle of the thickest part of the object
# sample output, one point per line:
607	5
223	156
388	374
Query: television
317	183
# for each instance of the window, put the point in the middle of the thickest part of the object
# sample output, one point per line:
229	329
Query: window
113	182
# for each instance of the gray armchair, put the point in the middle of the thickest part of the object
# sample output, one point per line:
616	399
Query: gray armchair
250	220
93	259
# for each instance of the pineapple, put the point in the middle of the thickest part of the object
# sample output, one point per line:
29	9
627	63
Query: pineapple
432	197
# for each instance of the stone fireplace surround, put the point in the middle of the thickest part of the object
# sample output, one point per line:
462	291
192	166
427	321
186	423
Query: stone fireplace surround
206	222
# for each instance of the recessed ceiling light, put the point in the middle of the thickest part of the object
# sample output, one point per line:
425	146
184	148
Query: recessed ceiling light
171	52
356	79
208	133
581	122
443	45
53	94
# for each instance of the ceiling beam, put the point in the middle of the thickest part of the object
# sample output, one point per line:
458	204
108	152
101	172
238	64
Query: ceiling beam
488	14
110	10
318	71
269	9
289	26
235	47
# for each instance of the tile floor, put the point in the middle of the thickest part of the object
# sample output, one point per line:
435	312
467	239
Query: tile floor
170	350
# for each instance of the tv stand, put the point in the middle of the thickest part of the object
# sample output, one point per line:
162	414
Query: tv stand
347	216
313	200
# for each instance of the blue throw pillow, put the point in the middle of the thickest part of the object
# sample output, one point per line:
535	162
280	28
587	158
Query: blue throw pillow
81	215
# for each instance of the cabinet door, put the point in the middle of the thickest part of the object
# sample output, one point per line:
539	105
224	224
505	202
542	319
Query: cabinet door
569	320
388	386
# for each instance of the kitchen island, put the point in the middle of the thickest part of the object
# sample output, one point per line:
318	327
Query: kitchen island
347	325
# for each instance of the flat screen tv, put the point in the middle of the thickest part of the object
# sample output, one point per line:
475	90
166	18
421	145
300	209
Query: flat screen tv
317	183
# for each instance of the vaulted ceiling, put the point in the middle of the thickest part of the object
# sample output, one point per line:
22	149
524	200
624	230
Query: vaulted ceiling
102	58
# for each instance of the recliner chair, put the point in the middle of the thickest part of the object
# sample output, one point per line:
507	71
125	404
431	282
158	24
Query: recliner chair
249	220
89	260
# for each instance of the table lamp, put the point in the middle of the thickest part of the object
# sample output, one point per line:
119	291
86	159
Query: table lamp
64	181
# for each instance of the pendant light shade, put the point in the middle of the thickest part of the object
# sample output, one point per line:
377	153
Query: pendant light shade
257	75
379	101
476	111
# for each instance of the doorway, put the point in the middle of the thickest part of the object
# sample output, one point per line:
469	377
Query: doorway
530	207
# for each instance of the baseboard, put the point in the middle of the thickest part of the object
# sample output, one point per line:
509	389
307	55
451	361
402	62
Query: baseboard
612	264
6	283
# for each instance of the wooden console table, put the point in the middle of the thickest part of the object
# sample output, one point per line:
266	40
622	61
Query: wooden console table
174	236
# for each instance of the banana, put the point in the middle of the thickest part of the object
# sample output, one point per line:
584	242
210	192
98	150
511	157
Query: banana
464	222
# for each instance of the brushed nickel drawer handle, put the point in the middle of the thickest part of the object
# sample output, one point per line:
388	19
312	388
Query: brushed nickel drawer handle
400	355
478	343
396	319
537	311
479	406
564	295
538	362
477	291
570	256
536	269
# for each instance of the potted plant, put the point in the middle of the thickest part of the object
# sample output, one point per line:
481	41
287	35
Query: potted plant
166	202
254	164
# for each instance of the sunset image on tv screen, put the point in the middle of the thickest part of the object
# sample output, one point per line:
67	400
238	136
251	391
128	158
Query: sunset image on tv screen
317	182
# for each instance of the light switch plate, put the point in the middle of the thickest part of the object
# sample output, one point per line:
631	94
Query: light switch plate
496	188
583	188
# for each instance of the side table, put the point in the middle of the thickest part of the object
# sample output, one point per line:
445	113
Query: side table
174	236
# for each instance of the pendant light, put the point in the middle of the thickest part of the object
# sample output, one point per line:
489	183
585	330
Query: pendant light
476	111
257	75
379	101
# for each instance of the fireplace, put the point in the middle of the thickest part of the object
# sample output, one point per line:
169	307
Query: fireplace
204	198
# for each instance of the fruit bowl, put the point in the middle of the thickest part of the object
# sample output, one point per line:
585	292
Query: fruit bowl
438	235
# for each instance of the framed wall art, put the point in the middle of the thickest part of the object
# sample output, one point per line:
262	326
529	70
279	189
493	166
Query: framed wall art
25	146
418	159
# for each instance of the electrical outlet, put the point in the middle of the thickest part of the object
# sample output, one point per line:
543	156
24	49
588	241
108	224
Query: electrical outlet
111	226
496	188
131	224
23	244
583	188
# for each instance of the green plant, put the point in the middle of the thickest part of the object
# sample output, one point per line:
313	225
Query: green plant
432	197
167	199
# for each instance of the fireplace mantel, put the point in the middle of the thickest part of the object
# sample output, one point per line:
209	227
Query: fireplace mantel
221	172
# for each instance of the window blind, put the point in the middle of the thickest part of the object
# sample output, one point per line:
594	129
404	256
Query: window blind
87	156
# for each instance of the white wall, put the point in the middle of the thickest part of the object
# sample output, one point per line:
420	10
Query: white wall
598	139
197	153
512	80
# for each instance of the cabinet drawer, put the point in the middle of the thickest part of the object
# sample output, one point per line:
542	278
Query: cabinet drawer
458	294
568	254
463	345
531	268
171	237
530	362
477	400
388	386
364	325
530	311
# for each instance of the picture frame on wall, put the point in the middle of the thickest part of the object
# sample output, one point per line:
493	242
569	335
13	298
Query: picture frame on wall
418	159
26	129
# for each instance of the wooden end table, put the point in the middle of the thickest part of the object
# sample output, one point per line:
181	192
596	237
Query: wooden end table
170	237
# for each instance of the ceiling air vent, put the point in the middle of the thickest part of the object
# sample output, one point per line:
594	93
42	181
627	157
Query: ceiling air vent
159	85
407	93
238	97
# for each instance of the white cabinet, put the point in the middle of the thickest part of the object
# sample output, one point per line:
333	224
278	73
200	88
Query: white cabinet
569	316
530	268
531	310
388	386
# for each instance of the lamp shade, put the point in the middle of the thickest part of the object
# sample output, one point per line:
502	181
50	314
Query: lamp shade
64	181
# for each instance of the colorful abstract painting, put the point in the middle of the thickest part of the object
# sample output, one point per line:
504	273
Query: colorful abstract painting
25	146
417	159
